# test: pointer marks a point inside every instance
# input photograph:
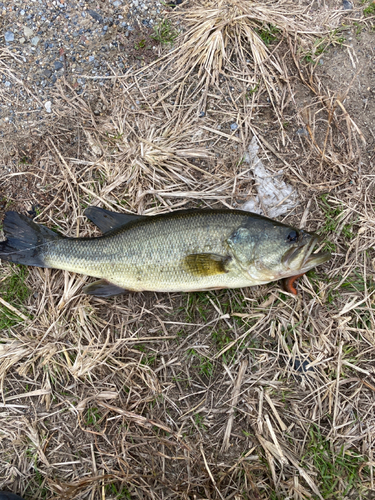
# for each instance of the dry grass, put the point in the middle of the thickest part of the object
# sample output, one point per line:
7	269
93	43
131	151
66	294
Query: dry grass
241	39
231	394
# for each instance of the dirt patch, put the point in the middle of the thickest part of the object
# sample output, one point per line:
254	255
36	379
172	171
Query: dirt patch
350	73
139	46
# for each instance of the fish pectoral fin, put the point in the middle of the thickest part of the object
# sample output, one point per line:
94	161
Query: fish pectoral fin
102	288
206	264
107	220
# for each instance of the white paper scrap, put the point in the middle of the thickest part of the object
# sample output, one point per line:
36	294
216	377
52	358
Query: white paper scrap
274	197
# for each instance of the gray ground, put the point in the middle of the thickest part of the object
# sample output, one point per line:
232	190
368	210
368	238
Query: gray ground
84	42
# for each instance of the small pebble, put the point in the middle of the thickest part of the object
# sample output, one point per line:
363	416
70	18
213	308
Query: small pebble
58	65
302	131
202	114
9	36
95	15
233	126
35	41
28	32
48	106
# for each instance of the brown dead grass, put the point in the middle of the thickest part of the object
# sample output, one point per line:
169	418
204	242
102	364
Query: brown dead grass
190	395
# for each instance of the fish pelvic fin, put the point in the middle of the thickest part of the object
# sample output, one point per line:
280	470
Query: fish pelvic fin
102	288
206	264
26	241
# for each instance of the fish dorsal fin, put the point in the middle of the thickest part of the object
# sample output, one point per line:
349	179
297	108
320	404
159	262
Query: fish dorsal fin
206	264
108	221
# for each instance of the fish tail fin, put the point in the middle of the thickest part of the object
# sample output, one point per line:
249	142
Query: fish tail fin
26	241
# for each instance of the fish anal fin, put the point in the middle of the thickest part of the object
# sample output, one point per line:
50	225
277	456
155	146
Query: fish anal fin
102	288
107	220
206	264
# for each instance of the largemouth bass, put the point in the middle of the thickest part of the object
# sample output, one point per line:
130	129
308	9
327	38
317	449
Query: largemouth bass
182	251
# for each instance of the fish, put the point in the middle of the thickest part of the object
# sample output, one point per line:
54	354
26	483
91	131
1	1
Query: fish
181	251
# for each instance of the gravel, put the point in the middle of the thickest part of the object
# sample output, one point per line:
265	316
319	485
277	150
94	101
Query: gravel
83	41
9	36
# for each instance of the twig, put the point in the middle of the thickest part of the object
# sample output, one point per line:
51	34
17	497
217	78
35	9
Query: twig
13	309
336	407
351	121
210	473
235	396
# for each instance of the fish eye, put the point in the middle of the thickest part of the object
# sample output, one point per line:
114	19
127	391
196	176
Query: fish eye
292	236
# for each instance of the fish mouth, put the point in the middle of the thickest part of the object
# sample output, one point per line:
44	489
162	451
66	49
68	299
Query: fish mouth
302	259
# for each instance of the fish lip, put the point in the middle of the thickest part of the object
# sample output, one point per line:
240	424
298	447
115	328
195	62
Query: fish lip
310	247
310	259
314	259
